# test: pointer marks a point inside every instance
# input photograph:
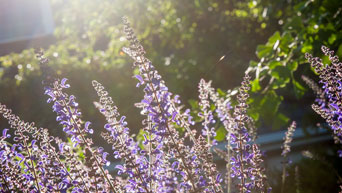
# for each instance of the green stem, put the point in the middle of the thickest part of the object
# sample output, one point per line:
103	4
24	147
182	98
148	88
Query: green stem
283	177
5	182
33	167
241	167
229	179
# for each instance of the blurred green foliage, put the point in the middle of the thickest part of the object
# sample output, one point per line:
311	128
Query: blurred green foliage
186	41
306	26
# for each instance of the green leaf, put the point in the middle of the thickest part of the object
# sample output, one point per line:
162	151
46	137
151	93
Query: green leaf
274	38
306	47
299	90
285	42
339	51
212	107
221	92
270	103
136	71
279	83
281	72
332	38
193	103
253	63
273	64
325	59
254	114
140	138
255	86
263	51
272	44
220	134
292	66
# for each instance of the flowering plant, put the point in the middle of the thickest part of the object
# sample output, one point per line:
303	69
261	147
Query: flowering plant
328	100
167	161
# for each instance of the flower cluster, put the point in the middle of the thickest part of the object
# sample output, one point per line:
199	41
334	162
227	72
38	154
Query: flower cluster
223	108
246	163
10	171
286	150
288	139
329	104
329	95
167	160
163	140
124	146
69	116
35	166
244	160
207	115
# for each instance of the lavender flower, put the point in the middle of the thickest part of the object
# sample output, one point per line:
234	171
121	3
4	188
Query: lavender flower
159	106
209	168
321	100
328	100
286	150
206	114
246	162
10	171
288	139
68	116
28	153
223	108
50	169
123	144
329	104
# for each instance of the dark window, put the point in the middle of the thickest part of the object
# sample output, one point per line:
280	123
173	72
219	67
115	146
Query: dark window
23	23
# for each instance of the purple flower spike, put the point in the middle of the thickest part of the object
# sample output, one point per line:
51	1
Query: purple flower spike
69	116
329	94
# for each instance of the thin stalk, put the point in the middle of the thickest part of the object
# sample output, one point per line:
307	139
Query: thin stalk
241	159
136	170
5	182
33	167
192	138
208	133
297	180
283	176
229	180
96	184
241	167
91	151
98	165
150	151
60	162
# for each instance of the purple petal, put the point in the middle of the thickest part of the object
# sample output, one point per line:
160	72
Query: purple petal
4	133
139	78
